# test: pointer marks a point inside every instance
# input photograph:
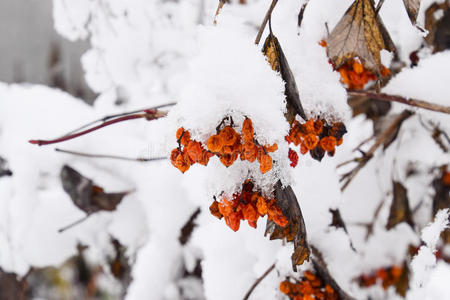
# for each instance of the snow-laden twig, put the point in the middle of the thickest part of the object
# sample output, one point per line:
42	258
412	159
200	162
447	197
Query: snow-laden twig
400	99
91	155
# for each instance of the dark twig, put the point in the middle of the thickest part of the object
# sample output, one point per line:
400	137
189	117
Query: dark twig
264	22
255	284
74	223
378	142
302	11
109	156
219	7
399	99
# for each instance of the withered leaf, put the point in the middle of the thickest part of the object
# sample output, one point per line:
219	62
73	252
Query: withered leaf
402	284
360	33
412	8
295	231
12	287
87	196
278	62
400	211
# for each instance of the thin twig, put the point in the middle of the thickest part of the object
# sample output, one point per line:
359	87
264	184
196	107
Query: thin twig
255	284
400	99
378	142
74	223
106	118
91	155
302	11
149	116
219	7
264	22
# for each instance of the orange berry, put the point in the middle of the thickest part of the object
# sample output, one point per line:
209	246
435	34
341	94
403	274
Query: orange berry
195	151
303	148
215	143
339	141
233	220
182	162
247	130
446	178
328	143
357	67
229	136
285	287
214	210
225	207
310	141
250	213
308	127
228	159
261	205
183	136
265	163
173	156
205	157
318	126
271	148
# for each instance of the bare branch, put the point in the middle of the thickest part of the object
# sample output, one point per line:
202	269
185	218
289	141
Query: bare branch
378	142
302	11
400	99
255	284
264	22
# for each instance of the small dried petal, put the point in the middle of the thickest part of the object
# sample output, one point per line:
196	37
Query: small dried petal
195	151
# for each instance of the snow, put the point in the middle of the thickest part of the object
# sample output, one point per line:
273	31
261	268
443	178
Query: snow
145	53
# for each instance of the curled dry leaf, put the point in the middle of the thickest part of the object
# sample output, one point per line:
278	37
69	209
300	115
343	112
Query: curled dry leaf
360	33
412	8
278	62
400	211
85	195
295	231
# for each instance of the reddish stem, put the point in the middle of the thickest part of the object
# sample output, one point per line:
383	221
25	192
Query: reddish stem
75	135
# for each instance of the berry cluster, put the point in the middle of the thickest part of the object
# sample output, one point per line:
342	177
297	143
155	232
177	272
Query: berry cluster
247	205
387	276
353	73
316	137
227	144
309	288
355	76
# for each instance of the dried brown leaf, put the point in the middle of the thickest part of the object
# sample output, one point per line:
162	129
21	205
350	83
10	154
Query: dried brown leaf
295	231
400	211
360	33
278	62
85	195
412	8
